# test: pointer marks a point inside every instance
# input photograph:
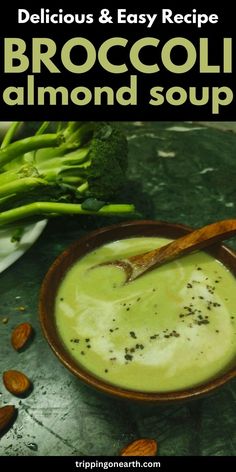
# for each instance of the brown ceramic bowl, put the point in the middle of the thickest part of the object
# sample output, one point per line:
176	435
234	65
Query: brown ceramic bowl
89	242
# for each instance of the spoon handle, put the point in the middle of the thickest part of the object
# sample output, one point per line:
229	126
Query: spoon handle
197	239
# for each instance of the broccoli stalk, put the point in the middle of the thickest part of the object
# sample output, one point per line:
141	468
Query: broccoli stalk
51	209
76	170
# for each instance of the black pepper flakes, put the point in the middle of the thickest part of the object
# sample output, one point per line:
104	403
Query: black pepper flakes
139	346
154	336
210	289
133	335
203	322
75	340
128	357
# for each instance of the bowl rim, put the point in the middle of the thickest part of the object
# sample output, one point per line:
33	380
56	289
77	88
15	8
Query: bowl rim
78	249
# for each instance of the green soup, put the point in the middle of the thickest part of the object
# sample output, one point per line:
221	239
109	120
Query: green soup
171	329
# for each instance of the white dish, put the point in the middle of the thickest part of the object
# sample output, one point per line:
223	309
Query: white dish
11	251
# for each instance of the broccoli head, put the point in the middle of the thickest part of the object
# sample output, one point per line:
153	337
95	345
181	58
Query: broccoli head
79	162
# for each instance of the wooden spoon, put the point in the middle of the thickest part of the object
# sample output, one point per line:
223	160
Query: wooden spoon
135	266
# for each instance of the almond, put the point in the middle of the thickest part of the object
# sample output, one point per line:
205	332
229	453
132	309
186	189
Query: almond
140	447
21	334
16	382
7	414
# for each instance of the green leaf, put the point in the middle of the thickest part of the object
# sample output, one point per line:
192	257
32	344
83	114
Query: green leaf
92	204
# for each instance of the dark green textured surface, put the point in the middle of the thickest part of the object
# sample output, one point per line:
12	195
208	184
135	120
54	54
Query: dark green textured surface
64	417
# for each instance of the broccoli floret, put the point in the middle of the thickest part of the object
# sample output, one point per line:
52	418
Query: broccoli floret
80	161
107	158
90	163
114	143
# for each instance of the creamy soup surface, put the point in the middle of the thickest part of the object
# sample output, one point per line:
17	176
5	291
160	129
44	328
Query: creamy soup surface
171	329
